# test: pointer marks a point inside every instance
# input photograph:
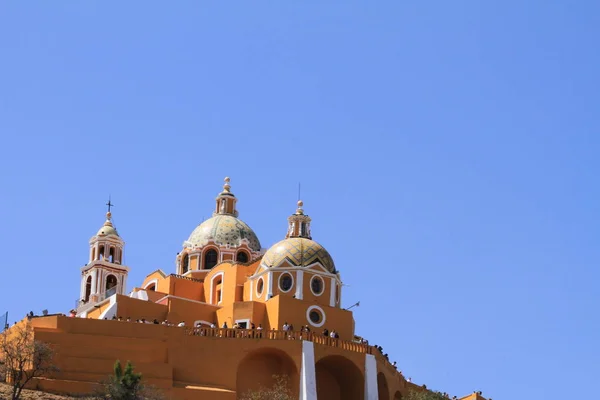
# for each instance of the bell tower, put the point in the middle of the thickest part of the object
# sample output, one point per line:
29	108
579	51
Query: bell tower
104	275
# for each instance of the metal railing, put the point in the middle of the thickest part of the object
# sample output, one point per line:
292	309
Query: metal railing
107	293
229	333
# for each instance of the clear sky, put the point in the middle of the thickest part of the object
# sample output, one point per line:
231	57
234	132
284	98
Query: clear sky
448	154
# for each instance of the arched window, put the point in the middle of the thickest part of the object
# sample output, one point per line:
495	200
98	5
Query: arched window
242	257
151	287
88	289
111	255
185	264
210	259
101	253
111	282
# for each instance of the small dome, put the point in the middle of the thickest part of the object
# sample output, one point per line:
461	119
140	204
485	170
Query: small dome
299	252
223	230
107	228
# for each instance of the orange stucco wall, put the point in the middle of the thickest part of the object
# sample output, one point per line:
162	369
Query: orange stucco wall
189	312
138	309
186	288
199	367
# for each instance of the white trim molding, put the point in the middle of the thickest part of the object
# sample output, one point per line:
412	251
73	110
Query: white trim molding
153	281
308	379
332	291
299	284
371	392
270	286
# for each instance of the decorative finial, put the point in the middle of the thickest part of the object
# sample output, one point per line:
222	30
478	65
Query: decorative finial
226	186
299	210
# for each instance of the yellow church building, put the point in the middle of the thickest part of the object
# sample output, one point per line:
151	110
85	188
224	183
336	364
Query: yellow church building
230	317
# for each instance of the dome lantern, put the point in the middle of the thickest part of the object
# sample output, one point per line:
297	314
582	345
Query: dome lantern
225	201
299	224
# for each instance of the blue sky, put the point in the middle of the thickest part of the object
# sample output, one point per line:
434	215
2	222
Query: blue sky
448	154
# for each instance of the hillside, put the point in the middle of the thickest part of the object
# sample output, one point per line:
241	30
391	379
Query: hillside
6	391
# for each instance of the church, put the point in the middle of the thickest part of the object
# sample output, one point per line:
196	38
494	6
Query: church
229	317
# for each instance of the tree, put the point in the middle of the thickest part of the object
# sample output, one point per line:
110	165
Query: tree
126	385
279	391
425	395
22	357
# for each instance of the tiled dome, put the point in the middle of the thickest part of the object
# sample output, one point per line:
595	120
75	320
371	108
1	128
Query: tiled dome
299	252
223	230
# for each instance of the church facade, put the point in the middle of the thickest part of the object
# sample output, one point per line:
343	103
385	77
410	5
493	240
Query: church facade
231	317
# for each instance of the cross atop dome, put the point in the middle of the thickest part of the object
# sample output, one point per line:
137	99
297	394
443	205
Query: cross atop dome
109	204
108	228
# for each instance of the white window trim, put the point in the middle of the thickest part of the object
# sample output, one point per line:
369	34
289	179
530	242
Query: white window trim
153	281
259	294
247	321
279	282
309	309
322	287
212	285
334	288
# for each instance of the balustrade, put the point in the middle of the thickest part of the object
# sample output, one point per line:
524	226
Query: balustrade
231	333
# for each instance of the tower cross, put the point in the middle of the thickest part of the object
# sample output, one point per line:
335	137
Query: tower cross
109	204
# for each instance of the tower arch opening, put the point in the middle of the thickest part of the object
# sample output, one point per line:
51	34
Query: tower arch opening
398	395
88	289
261	368
338	378
111	282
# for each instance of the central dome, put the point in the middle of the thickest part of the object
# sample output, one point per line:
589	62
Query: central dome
223	230
299	252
